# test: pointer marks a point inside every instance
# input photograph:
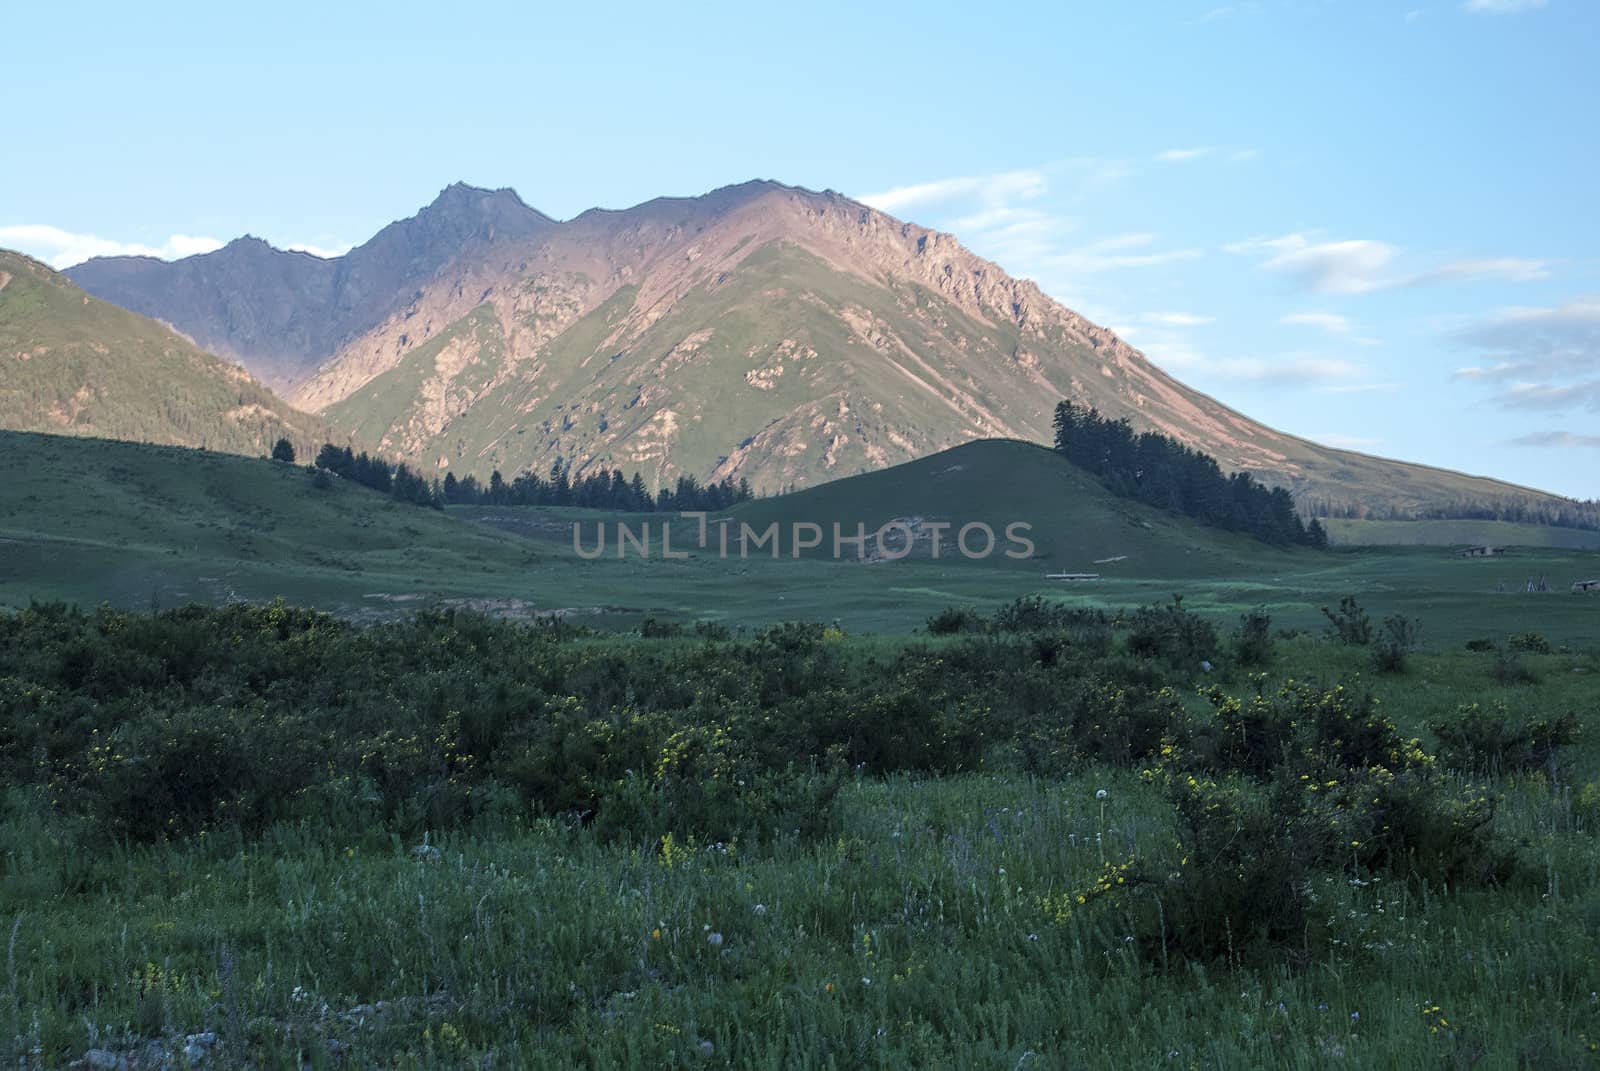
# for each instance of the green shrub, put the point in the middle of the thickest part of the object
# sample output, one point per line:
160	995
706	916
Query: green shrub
1393	647
1252	640
1495	741
1349	624
1509	668
1172	635
1530	643
953	620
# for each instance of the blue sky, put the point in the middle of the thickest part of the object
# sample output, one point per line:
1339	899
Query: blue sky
1367	223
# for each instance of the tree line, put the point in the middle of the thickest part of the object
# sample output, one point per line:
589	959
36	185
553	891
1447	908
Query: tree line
1570	514
598	490
1161	472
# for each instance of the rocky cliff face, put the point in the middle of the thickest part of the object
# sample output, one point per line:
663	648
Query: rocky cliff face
760	331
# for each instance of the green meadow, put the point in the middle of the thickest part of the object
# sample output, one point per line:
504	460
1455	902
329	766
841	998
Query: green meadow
484	803
153	527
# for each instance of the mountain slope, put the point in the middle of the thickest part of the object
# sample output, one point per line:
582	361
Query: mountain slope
71	364
1074	523
765	332
132	523
282	313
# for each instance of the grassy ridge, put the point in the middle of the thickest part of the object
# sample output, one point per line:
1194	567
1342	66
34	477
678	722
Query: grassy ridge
71	364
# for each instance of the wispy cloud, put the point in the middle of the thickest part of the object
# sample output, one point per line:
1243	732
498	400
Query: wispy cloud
1303	370
1175	319
62	248
1364	265
1563	439
1539	357
1506	269
1501	7
995	189
1117	251
1202	152
1330	322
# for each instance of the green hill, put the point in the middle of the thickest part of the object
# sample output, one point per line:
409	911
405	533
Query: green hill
71	364
1075	524
93	521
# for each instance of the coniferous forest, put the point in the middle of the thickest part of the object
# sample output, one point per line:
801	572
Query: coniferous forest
1162	472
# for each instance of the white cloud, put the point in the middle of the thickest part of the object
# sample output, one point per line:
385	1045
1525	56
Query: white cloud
1176	319
1173	351
62	249
1501	7
994	189
1564	439
1508	269
1330	322
1363	265
1117	251
1289	369
1350	267
1178	156
325	252
1539	357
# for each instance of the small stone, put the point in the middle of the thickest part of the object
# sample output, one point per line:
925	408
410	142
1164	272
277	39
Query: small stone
706	1050
104	1060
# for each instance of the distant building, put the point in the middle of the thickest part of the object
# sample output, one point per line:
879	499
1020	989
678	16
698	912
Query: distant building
1483	552
1072	576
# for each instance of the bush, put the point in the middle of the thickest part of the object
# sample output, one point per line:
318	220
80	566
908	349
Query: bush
953	620
1494	741
1509	669
1172	635
1395	643
1349	624
1530	643
1252	640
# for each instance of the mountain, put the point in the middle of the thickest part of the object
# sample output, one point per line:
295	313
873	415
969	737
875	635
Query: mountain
761	331
71	364
281	313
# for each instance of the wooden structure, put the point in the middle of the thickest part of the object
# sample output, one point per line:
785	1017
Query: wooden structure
1585	585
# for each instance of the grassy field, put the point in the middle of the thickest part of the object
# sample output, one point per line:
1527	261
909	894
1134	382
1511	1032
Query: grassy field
259	838
921	928
92	521
1458	534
